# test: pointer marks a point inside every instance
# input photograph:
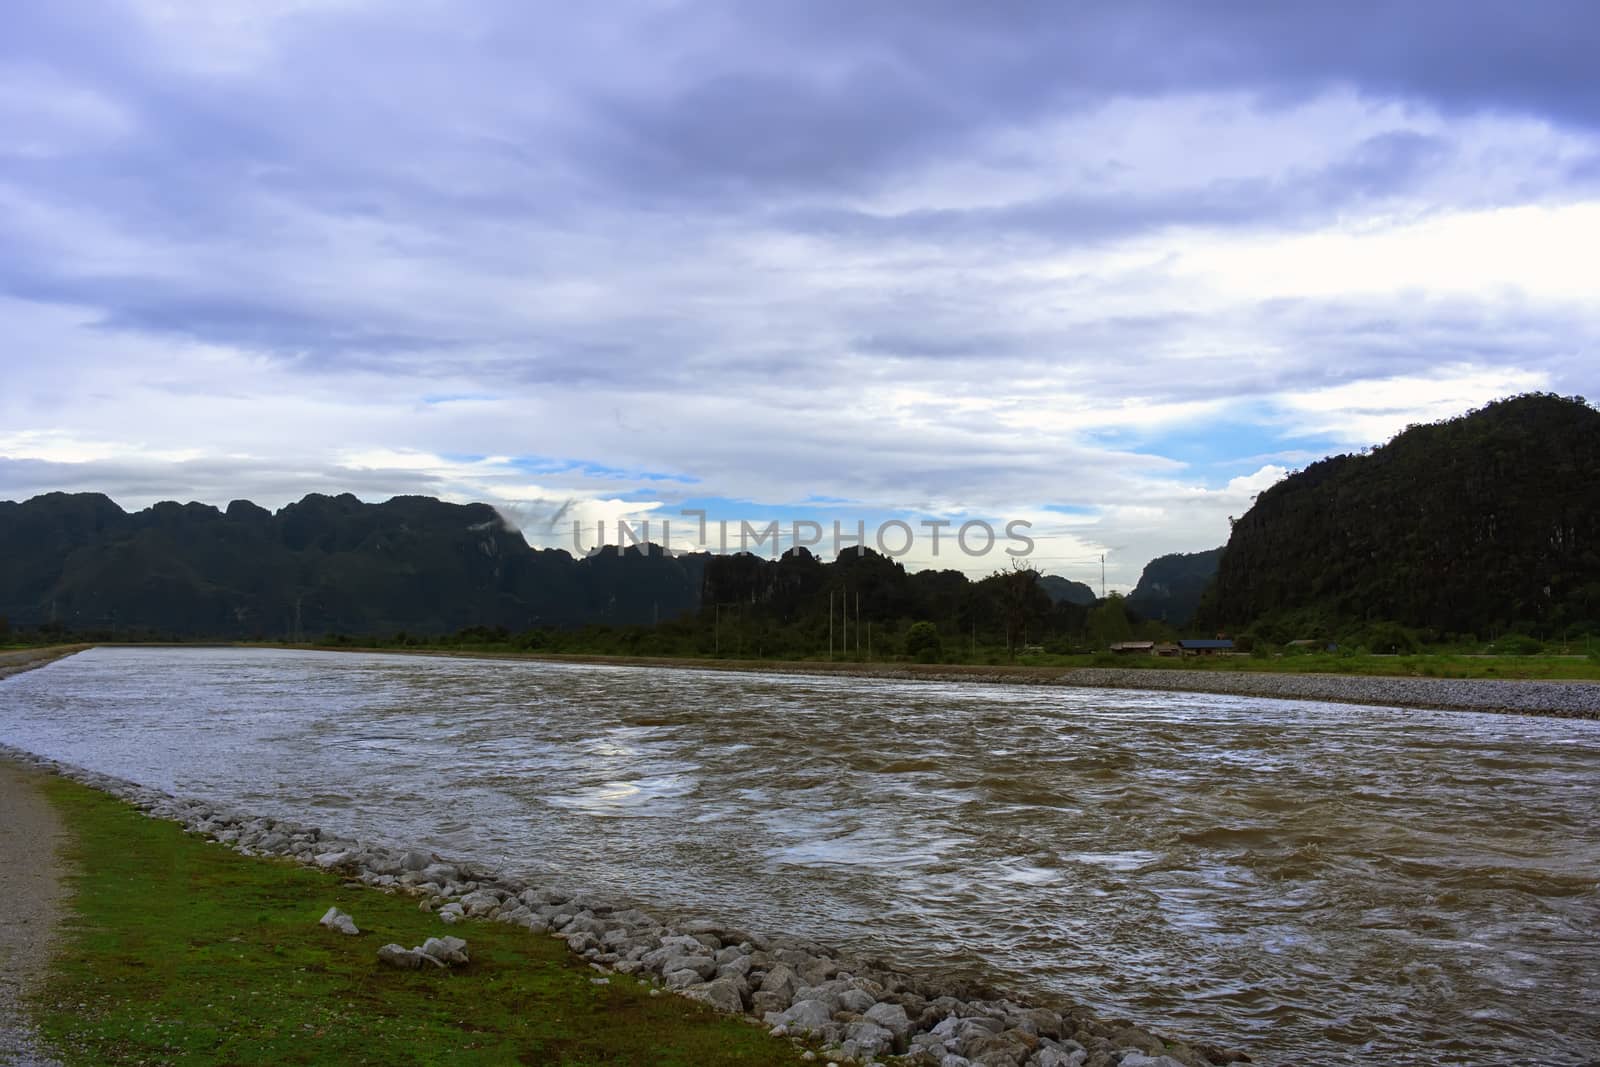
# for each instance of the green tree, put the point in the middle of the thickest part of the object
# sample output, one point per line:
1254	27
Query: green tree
1108	622
923	644
1022	602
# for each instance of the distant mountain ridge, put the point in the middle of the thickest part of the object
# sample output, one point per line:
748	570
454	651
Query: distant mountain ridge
1060	589
1470	526
323	564
1171	586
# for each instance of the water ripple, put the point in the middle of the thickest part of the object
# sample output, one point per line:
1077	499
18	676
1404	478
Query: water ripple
1323	882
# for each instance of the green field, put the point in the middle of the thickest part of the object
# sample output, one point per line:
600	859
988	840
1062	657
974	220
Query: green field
179	950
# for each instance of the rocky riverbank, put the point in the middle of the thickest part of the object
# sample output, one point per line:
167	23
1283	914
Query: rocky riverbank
1572	700
849	1009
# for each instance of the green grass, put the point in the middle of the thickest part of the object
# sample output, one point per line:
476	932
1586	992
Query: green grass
1574	666
178	950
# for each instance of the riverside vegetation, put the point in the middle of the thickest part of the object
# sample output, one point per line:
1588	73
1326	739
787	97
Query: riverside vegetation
184	951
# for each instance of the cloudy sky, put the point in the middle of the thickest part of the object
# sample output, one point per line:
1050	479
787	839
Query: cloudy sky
1108	268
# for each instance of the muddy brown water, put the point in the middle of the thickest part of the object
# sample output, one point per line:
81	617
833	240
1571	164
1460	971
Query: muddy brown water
1316	882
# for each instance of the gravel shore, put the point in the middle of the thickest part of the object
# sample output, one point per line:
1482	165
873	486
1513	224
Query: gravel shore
1571	700
1564	699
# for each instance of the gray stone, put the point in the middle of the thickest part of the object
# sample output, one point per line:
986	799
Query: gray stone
781	980
868	1038
817	970
807	1016
892	1017
738	967
1137	1039
408	959
442	873
1001	1057
448	950
683	978
722	994
480	903
855	1000
704	966
338	920
763	1004
1040	1021
583	923
415	861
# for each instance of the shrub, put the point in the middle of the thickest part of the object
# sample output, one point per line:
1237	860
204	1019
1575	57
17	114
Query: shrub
1520	645
1390	638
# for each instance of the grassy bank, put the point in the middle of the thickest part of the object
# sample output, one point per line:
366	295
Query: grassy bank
179	950
1044	667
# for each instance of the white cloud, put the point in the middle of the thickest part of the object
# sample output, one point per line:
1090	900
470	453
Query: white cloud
387	244
1371	411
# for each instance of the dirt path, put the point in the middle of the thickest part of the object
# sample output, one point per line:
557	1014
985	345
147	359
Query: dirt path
30	885
30	893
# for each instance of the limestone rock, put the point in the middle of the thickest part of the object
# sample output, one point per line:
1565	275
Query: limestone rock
807	1017
447	950
722	994
408	959
704	966
892	1017
338	920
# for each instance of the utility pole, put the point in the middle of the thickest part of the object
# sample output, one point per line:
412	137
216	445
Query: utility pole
858	622
830	625
1102	576
844	622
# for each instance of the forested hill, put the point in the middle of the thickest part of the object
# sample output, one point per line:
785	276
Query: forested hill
1475	525
1060	589
324	564
1171	586
415	565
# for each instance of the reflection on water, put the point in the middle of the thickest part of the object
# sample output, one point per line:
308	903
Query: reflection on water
1315	881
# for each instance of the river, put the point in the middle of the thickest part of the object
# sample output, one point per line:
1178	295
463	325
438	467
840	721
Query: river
1314	882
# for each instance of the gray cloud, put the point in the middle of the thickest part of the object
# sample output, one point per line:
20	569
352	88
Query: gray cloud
916	252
